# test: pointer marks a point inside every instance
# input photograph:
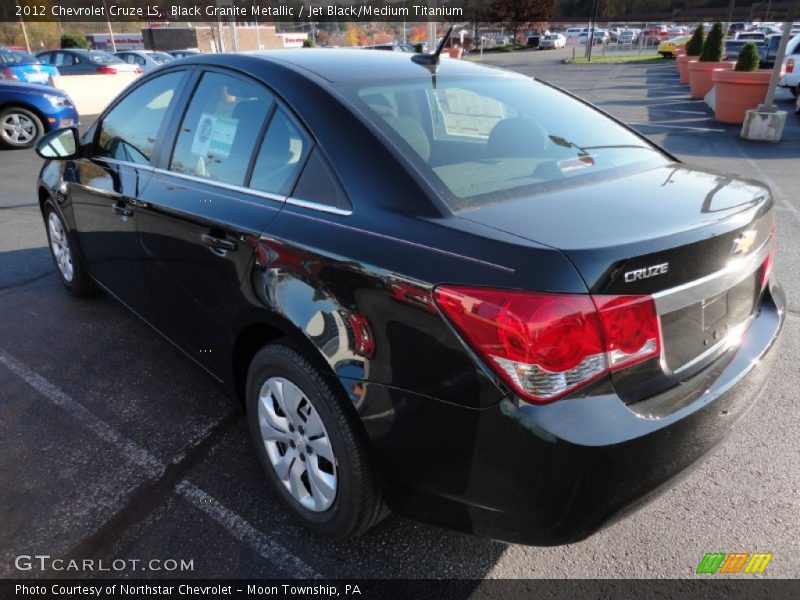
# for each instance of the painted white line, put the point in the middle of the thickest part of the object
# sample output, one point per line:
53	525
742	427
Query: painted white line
233	523
242	530
781	195
677	127
683	112
130	450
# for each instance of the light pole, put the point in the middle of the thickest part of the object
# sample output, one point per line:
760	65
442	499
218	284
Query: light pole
110	31
24	29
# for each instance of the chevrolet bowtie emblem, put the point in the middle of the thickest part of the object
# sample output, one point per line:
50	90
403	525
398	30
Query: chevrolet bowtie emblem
743	242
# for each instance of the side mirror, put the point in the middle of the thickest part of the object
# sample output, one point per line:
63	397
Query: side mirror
61	144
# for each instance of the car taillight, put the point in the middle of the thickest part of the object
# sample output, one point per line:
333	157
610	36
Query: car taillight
8	75
790	65
138	70
547	345
107	70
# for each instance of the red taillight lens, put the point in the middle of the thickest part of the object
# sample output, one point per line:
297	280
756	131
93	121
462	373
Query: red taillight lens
547	345
138	70
790	65
8	75
107	70
631	328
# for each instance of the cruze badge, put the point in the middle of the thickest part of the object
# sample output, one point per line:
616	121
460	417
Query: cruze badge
646	273
743	242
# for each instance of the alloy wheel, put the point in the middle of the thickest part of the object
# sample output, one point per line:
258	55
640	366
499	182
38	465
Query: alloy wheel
59	244
18	129
297	444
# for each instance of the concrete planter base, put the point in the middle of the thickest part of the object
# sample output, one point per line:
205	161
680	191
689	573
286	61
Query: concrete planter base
763	126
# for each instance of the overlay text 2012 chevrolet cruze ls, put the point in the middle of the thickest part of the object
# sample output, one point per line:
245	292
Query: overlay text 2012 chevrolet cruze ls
453	292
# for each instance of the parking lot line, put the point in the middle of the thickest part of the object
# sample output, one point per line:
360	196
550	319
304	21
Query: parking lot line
703	129
242	530
232	522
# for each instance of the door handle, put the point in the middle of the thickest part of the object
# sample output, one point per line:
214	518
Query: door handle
122	210
218	243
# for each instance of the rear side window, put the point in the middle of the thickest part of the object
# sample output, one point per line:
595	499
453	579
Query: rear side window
129	132
220	130
282	154
318	184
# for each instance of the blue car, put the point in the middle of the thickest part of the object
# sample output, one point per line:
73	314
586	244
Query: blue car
29	110
19	66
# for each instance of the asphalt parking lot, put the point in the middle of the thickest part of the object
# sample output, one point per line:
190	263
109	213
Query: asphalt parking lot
114	446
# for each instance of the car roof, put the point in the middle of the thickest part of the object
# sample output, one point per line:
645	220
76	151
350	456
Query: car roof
353	65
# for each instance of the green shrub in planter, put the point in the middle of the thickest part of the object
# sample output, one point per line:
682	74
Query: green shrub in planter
748	58
695	44
714	46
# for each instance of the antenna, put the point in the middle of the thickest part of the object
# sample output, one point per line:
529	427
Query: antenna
432	60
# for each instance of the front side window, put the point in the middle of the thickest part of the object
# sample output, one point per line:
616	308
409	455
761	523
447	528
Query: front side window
129	132
479	140
219	132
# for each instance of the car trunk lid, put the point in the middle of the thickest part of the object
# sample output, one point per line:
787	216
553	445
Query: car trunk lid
695	240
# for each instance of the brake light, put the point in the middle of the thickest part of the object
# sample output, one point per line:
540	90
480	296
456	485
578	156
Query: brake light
8	75
107	70
790	65
547	345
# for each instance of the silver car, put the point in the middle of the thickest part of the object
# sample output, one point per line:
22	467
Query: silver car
146	59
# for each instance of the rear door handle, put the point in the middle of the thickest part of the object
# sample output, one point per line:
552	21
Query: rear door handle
122	210
218	243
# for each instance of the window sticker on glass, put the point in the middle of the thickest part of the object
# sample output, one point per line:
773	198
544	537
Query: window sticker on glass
466	114
214	136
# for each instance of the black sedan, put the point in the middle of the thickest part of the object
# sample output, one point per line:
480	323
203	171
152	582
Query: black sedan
453	292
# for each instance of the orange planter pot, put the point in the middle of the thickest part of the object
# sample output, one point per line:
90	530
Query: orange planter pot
737	92
456	52
683	67
700	76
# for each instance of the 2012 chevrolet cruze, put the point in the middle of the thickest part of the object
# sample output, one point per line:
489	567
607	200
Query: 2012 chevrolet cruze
452	291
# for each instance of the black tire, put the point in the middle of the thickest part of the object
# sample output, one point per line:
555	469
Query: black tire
358	504
80	284
8	113
793	89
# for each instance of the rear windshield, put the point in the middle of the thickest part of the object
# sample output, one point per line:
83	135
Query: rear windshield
478	140
11	57
161	57
99	57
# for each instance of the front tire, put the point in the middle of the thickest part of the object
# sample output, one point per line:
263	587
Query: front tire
19	128
69	264
309	445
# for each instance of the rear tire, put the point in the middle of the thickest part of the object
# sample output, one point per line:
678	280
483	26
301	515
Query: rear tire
312	451
793	89
19	128
70	266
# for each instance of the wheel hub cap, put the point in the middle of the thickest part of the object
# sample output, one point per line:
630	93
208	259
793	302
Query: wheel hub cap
18	129
297	444
59	245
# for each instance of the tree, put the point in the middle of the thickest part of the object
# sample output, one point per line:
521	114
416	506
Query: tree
73	40
695	44
748	58
714	46
418	34
351	36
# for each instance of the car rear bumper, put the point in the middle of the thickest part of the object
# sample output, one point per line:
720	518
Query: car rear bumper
554	474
